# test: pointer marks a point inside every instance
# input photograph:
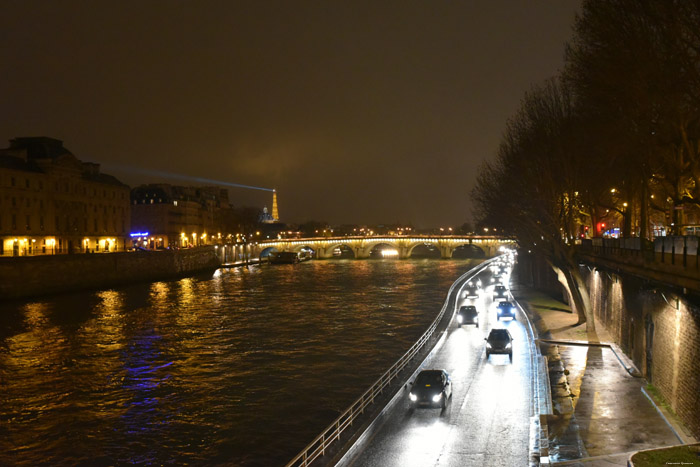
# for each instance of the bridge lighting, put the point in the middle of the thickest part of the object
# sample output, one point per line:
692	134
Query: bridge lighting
390	253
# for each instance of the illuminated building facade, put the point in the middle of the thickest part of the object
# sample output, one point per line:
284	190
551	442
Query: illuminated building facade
51	202
164	215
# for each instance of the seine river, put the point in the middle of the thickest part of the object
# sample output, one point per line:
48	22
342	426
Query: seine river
242	367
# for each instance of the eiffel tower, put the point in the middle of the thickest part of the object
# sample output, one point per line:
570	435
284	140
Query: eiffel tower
275	213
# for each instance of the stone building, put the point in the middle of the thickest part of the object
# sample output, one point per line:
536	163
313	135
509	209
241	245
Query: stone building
164	215
51	202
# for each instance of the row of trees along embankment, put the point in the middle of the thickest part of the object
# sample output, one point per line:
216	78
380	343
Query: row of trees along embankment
613	139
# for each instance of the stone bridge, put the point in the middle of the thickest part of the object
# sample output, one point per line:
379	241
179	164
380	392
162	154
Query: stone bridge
362	246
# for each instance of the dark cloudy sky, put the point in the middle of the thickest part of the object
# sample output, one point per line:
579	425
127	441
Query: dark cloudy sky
355	111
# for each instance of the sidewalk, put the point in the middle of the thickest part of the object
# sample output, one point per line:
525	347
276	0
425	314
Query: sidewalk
601	414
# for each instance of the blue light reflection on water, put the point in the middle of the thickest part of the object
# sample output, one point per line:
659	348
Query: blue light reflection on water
243	368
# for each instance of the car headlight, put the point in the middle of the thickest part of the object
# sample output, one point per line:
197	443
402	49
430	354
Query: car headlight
508	346
512	310
413	397
488	346
459	319
437	397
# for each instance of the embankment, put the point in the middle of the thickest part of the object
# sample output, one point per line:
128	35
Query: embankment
29	276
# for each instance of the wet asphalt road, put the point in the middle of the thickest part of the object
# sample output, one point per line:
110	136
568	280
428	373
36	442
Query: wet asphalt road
486	422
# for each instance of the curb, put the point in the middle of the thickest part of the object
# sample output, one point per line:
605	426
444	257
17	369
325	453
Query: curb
629	459
677	430
542	398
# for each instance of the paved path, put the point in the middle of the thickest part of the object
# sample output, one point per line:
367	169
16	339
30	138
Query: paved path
608	416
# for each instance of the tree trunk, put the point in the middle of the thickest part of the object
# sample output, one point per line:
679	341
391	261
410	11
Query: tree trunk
644	213
572	280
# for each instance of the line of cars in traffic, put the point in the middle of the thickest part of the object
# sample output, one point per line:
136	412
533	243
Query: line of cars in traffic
433	388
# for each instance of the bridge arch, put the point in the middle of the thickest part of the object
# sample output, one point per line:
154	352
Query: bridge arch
381	250
468	250
339	250
305	251
424	250
267	251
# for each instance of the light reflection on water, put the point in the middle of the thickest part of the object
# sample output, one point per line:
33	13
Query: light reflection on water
243	367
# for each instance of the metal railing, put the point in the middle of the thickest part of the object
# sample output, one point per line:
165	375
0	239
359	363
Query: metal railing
332	433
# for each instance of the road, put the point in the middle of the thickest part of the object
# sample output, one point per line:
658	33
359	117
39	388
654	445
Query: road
487	421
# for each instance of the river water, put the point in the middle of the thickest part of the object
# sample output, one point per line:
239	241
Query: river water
242	367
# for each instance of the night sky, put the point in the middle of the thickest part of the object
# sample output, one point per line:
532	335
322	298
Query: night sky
356	112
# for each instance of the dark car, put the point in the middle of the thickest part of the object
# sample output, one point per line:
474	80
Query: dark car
431	388
468	314
505	310
499	342
500	292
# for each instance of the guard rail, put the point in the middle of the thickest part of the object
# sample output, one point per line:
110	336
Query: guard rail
331	434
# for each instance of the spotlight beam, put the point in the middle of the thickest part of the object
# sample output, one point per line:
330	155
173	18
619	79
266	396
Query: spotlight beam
158	173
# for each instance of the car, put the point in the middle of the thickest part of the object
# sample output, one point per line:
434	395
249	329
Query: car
467	314
505	309
500	292
499	342
431	388
471	291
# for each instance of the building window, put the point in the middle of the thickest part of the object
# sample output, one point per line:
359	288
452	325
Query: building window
14	222
41	203
14	202
26	183
56	223
12	181
41	223
41	185
29	226
95	229
28	202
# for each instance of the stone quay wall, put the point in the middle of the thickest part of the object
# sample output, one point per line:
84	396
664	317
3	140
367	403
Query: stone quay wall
656	325
28	276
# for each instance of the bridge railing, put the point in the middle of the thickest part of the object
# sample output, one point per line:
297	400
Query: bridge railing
331	434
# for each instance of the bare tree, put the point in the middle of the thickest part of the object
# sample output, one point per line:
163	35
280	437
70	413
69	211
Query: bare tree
534	188
635	71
